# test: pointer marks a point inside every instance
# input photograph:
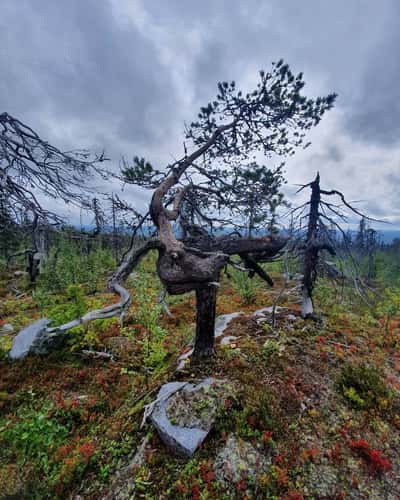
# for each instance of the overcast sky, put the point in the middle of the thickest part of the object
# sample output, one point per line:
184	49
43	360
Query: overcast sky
125	75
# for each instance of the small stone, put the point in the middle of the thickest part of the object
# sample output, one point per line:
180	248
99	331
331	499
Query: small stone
230	339
6	328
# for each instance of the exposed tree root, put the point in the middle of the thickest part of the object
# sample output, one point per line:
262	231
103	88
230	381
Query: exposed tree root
128	263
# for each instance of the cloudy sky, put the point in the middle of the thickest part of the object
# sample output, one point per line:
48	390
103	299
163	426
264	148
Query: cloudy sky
125	75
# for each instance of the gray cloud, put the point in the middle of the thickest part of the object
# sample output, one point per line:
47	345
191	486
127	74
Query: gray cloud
71	62
376	107
126	74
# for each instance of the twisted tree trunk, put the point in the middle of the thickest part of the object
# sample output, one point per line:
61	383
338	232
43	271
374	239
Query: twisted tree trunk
195	264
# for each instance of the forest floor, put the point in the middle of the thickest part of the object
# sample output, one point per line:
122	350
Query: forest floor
320	400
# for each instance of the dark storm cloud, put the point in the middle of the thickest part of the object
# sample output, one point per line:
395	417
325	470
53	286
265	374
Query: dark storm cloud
70	60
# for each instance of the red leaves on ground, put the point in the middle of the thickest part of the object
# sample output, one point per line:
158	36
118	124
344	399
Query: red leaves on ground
311	454
293	495
241	485
195	492
207	474
267	437
376	463
335	453
87	450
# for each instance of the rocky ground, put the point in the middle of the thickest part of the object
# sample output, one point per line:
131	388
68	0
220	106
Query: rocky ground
295	410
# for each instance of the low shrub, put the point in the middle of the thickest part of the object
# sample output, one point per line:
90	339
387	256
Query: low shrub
363	387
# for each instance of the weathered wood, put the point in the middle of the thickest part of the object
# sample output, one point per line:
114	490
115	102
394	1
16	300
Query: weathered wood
251	264
311	251
206	300
128	263
267	246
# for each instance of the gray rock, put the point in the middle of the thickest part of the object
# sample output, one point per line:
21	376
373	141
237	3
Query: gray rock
229	339
6	328
123	484
267	311
222	322
35	339
239	460
184	413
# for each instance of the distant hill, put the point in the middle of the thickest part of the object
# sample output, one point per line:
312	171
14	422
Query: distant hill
387	236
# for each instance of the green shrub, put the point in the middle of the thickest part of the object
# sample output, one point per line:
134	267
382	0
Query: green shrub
69	265
147	313
389	306
245	286
35	438
270	348
74	306
363	387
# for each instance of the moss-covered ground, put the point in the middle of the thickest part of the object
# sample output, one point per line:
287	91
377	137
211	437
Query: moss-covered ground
321	399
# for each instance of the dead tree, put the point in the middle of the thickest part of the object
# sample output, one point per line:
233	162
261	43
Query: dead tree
322	216
30	166
37	253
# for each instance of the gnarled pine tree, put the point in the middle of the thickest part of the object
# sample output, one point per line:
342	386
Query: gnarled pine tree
271	119
229	131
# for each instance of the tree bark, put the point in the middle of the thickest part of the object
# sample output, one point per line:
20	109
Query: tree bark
206	300
311	252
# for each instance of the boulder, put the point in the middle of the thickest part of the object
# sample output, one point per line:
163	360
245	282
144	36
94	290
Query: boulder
239	460
184	413
35	339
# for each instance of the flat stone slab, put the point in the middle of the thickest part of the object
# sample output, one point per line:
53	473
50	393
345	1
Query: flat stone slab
184	413
222	322
35	339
